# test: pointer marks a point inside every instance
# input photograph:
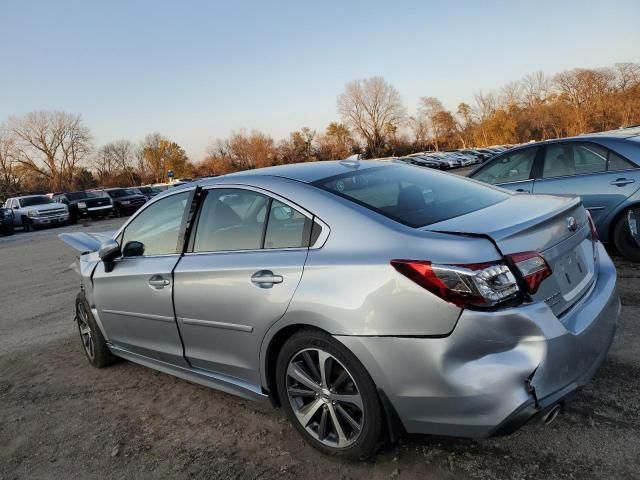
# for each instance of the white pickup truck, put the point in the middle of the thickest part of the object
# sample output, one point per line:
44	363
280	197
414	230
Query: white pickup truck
33	211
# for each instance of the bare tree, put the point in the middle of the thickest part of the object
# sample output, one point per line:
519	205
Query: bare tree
117	159
536	88
486	106
9	173
430	108
420	129
51	145
368	106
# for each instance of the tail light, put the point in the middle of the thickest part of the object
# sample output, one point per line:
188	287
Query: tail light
533	267
592	226
479	285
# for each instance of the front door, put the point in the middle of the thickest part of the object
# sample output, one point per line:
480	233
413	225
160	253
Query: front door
134	299
245	265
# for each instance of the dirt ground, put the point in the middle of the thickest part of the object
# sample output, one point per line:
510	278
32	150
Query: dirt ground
61	418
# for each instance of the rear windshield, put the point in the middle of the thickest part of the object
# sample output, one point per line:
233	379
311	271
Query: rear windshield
413	196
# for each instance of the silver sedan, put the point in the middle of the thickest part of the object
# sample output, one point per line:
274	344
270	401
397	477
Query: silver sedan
367	299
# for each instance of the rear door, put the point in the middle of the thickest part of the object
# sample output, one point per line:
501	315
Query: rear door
512	171
598	175
244	264
134	300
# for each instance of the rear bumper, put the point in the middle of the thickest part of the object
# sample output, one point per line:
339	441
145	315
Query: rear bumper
496	370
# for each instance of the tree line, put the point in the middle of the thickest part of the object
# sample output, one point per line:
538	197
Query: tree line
53	151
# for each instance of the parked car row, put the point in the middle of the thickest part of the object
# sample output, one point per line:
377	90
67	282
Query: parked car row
63	208
452	159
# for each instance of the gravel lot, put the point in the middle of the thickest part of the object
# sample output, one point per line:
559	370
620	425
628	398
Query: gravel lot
60	418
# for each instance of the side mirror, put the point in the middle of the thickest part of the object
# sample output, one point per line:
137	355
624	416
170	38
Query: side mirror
133	249
108	252
15	207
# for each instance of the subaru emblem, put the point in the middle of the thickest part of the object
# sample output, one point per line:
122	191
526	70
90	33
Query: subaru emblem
572	224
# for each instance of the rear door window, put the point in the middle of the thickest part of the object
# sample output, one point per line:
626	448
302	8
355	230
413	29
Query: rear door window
231	219
616	162
512	167
286	228
566	159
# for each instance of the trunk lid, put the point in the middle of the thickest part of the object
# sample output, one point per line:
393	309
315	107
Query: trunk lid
86	242
555	227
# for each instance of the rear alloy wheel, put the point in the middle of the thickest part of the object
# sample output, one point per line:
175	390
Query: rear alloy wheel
328	395
623	241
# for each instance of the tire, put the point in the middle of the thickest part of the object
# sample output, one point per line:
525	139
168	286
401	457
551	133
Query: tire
9	231
27	226
93	343
117	213
360	419
623	241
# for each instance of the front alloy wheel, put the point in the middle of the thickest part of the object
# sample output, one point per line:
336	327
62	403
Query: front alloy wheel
92	339
325	398
86	334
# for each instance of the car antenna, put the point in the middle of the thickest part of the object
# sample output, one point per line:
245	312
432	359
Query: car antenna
351	161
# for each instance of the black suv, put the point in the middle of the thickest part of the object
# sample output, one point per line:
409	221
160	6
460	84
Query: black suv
125	200
6	221
94	204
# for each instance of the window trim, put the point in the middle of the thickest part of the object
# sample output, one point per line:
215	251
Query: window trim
319	243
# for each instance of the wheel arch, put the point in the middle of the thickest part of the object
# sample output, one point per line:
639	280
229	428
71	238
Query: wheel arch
276	338
275	342
617	216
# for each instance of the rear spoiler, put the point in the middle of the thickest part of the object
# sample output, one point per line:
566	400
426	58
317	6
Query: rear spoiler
86	242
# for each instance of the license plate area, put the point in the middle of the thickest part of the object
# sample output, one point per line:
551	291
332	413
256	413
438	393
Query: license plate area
574	270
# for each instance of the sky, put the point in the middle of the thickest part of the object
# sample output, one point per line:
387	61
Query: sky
200	70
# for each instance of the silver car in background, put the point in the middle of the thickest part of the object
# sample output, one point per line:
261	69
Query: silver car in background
35	211
367	299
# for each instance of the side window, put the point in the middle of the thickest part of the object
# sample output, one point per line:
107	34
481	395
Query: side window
573	159
286	228
512	167
590	158
158	226
231	219
616	162
558	161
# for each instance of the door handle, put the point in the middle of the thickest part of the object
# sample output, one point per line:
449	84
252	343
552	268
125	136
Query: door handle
621	182
158	282
522	190
265	279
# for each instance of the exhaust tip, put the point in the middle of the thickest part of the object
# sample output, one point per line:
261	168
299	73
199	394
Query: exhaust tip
552	414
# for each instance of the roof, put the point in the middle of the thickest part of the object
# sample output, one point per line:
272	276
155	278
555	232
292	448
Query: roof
310	171
618	133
